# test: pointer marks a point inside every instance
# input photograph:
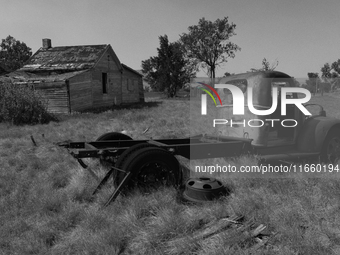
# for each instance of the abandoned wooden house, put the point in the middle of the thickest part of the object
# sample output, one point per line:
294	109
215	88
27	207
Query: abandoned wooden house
79	78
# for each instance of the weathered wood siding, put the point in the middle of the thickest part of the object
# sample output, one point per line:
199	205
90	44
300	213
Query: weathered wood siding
141	90
56	95
132	87
84	91
80	92
114	94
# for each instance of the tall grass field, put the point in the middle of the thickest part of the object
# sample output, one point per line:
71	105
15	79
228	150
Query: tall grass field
46	205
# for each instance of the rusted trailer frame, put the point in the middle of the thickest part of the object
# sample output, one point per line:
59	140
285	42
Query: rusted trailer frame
197	147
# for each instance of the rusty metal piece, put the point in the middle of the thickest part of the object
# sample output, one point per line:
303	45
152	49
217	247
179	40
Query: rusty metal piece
119	188
203	189
106	178
33	141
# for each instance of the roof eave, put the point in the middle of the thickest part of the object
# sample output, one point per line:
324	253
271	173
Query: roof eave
131	70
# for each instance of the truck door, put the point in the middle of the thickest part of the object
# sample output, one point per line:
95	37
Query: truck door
282	129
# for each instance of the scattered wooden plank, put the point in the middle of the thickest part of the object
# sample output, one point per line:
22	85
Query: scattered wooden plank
220	230
209	229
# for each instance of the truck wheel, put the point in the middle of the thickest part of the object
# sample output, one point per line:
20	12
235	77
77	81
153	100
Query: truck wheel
107	161
151	167
113	136
123	157
331	149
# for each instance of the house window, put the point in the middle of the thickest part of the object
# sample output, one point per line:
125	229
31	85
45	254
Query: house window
130	85
104	83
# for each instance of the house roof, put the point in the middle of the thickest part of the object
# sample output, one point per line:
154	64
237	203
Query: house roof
61	63
67	58
27	77
131	70
140	72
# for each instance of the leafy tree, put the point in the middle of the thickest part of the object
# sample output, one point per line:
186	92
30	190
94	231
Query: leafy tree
296	82
13	53
331	73
167	72
266	66
312	75
312	82
208	45
3	70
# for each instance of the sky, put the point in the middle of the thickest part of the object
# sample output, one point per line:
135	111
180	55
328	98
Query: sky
302	35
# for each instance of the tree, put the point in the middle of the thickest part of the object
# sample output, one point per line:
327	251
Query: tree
167	72
296	82
13	53
208	43
266	66
331	74
312	82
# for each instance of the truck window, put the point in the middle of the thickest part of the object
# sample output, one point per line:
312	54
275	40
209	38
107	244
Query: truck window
280	85
241	84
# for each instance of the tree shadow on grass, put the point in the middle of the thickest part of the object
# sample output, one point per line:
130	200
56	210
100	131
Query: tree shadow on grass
125	107
89	113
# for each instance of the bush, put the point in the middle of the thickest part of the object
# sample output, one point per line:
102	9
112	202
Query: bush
20	105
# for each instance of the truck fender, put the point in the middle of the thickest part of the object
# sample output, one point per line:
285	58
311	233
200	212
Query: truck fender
313	133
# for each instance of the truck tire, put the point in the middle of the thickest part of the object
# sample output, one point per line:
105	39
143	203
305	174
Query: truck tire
113	136
151	167
331	148
123	157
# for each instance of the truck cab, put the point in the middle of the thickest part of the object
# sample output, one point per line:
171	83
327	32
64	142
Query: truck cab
276	136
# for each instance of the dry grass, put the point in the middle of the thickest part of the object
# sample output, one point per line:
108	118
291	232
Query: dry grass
46	205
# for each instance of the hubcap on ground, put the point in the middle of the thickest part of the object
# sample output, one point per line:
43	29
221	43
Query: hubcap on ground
203	189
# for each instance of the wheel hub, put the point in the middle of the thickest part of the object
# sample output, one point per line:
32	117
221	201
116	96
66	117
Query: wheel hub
203	189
